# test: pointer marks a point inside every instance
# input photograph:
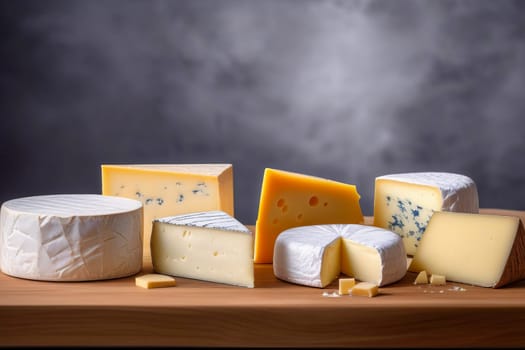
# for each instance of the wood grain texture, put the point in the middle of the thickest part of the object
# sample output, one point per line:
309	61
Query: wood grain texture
273	314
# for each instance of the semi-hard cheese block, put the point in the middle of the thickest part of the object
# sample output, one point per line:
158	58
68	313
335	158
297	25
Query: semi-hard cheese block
404	203
290	199
210	246
315	255
478	249
171	189
81	237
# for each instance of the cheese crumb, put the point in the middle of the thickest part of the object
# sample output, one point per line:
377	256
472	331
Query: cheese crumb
421	278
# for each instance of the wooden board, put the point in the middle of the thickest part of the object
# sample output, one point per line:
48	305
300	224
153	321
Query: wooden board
275	313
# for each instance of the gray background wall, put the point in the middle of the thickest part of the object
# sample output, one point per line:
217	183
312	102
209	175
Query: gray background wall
347	90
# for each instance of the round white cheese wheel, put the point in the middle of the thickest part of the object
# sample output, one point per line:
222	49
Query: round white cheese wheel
370	254
71	237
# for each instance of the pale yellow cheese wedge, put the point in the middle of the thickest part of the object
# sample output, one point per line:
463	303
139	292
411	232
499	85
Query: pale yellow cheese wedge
478	249
154	280
421	278
170	189
290	199
210	246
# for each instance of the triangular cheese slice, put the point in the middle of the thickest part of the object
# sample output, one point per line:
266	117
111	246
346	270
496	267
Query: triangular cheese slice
290	199
479	249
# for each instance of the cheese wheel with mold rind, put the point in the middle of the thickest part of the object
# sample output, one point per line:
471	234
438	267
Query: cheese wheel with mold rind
315	255
71	237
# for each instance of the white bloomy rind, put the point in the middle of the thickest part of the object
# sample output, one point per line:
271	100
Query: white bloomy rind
459	192
73	237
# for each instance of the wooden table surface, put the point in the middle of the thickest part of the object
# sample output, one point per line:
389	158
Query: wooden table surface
273	314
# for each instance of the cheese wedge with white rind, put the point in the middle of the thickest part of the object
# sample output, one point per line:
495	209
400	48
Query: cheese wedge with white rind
308	255
80	237
372	254
404	203
210	246
478	249
314	255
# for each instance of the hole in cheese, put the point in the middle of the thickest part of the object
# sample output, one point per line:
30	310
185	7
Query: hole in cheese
313	201
280	203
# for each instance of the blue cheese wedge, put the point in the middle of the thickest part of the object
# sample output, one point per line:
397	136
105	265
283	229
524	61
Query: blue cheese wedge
315	255
210	246
404	203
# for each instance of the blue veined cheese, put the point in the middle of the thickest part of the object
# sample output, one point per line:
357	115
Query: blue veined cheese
171	189
404	203
209	246
81	237
315	255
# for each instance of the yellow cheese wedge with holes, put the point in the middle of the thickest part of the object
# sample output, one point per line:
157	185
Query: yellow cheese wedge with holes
291	199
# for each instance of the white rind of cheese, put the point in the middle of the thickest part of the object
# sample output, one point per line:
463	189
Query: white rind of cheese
315	255
72	237
459	192
210	246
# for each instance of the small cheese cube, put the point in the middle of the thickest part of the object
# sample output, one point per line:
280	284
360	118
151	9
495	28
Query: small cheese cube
154	280
345	285
478	249
404	203
290	199
421	278
438	280
365	289
170	189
